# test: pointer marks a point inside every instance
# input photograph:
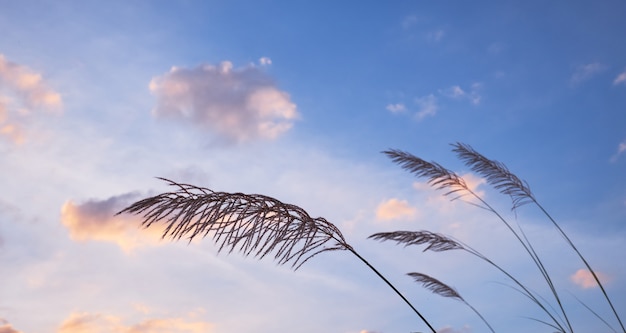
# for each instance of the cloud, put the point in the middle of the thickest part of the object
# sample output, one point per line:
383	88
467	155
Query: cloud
409	21
584	279
5	327
30	84
456	92
621	78
265	61
235	105
96	220
99	323
396	108
436	35
427	106
22	91
394	209
621	148
585	72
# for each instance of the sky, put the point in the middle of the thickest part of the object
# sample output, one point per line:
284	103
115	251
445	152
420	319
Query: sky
296	100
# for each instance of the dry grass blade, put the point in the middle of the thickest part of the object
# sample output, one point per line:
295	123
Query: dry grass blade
435	242
253	224
435	286
436	175
496	174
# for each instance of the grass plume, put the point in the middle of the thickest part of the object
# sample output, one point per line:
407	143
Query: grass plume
503	180
253	224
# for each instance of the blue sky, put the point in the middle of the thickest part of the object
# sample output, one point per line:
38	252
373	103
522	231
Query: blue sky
296	100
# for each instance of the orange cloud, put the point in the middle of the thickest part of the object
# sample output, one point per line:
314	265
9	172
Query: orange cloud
5	327
98	323
584	278
25	91
96	220
394	209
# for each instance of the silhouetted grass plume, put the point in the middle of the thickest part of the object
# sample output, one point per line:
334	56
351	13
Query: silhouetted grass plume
259	226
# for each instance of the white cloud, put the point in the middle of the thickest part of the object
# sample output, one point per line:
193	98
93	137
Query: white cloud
236	105
84	322
585	72
96	220
621	148
394	209
456	92
24	92
427	106
436	35
621	78
396	108
409	21
583	278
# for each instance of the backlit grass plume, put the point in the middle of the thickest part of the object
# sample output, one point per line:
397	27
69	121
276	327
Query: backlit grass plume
253	224
499	176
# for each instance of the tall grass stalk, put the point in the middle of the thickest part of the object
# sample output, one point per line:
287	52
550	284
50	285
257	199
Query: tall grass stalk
259	225
497	175
253	224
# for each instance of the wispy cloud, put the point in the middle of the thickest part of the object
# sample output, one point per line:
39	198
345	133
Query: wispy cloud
394	209
621	148
234	104
620	79
83	322
456	92
396	108
585	72
22	91
436	35
427	106
584	279
409	21
96	220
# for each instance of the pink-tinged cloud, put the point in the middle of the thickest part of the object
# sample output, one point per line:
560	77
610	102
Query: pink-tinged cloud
5	327
96	220
583	278
99	323
620	79
22	93
234	104
394	209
